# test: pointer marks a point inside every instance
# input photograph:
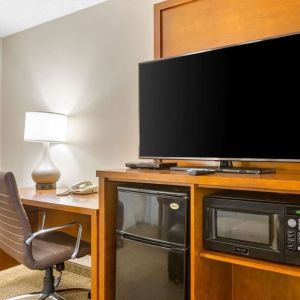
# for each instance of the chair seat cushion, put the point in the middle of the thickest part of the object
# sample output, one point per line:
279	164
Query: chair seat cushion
55	247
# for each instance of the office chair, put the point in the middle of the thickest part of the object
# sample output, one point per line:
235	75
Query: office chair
46	249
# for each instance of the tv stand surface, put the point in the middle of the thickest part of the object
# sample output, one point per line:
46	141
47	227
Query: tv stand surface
228	170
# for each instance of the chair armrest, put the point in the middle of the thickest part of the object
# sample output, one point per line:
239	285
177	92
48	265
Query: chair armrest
39	211
29	240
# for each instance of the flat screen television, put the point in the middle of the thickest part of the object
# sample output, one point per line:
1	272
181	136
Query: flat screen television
234	103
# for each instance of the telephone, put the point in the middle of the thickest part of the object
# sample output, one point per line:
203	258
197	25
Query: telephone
82	188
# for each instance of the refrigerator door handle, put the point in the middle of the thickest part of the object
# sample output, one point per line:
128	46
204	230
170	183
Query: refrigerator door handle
147	240
179	250
153	244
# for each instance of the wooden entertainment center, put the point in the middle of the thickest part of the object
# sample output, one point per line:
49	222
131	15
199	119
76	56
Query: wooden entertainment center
214	276
183	26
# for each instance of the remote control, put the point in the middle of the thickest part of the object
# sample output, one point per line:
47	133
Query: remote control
195	172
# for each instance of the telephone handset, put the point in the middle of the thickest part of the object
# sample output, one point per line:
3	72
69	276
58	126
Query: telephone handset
81	188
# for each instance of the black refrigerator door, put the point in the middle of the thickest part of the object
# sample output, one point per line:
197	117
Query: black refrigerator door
150	272
160	217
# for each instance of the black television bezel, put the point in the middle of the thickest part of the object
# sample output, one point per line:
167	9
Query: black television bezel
214	158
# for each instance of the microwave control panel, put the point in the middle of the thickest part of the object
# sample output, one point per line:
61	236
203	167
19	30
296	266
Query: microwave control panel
292	218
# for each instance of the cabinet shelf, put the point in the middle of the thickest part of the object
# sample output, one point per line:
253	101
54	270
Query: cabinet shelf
252	263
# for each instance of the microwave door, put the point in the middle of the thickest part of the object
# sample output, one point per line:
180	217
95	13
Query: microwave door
246	228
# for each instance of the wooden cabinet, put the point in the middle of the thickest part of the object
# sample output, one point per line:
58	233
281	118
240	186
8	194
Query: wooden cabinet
192	25
214	276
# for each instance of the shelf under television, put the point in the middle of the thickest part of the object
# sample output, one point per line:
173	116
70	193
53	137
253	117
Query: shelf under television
252	263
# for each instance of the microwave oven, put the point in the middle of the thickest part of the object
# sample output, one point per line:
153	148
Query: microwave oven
257	225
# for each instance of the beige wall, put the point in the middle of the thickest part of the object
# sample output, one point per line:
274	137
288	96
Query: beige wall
84	65
0	104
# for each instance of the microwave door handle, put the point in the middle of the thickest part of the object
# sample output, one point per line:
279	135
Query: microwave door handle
214	223
209	223
272	229
275	232
211	226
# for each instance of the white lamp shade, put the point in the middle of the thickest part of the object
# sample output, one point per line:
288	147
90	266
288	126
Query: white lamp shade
45	127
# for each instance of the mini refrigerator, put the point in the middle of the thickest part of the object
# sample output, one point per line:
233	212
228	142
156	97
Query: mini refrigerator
152	244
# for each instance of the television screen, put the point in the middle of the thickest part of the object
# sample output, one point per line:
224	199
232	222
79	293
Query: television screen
239	102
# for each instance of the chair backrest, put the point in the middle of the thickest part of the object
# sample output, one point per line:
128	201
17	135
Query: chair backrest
14	223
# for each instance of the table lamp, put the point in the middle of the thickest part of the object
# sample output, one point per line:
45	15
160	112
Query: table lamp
47	128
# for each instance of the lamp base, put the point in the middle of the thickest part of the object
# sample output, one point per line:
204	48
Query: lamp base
45	186
45	173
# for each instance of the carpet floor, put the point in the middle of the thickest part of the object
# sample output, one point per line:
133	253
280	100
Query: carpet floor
20	280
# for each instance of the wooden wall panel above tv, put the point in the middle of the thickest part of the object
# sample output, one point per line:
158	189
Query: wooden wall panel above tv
191	25
184	26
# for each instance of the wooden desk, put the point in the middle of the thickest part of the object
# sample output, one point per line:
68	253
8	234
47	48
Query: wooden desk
61	210
81	204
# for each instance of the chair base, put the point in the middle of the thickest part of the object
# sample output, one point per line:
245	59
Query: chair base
54	296
49	291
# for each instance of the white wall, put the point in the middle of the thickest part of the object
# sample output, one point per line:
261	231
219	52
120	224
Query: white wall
0	104
83	65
